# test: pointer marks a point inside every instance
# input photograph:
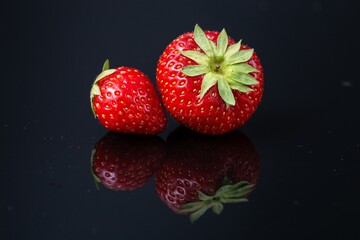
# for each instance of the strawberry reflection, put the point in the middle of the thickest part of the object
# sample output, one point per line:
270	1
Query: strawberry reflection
126	162
205	172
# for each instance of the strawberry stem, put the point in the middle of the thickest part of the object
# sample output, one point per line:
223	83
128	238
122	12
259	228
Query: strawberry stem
220	64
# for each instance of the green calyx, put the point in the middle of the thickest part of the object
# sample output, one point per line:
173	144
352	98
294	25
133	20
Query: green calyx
220	64
230	193
95	90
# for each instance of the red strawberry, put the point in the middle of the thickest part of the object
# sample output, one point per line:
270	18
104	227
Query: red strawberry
120	164
208	82
125	100
193	179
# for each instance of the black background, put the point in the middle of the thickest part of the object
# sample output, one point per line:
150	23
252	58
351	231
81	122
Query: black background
306	129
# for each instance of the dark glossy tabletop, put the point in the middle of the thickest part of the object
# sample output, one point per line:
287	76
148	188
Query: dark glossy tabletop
305	133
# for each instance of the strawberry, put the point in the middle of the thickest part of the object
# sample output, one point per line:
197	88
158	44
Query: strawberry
125	100
193	179
119	164
208	82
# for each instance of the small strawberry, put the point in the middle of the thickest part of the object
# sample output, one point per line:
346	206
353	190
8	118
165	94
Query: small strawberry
119	164
125	100
208	82
193	179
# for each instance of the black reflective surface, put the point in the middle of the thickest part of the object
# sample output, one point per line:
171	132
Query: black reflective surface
305	132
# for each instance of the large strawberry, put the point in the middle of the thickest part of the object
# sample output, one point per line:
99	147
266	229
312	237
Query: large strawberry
125	100
120	164
193	178
208	82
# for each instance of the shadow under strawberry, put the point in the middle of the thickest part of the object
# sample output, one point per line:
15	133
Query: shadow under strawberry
126	162
204	172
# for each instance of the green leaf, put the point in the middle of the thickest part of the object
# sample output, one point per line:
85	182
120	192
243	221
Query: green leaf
191	207
203	196
209	80
95	90
195	70
198	57
241	87
213	46
225	181
239	184
235	200
237	194
222	42
242	68
202	41
245	188
239	57
106	65
231	50
218	208
246	79
243	78
228	189
197	214
226	92
223	190
104	74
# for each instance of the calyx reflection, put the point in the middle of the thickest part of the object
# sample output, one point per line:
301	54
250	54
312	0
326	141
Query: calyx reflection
205	172
126	162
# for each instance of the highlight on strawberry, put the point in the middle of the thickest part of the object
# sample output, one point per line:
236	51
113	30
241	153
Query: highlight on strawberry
125	100
209	82
205	172
119	163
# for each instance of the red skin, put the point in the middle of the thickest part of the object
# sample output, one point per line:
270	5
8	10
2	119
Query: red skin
120	164
180	93
129	103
